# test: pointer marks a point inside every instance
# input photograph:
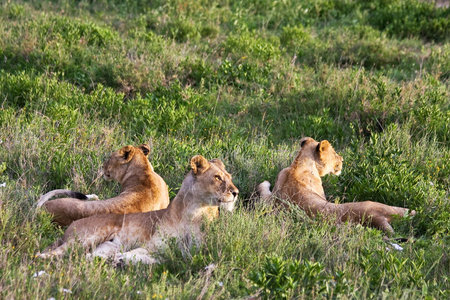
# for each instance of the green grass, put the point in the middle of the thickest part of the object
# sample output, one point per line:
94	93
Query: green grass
242	81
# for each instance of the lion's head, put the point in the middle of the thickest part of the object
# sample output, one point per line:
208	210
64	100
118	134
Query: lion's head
327	160
118	163
212	183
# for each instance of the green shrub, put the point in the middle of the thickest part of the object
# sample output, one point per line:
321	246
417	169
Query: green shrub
19	90
294	37
15	11
411	18
356	45
198	73
433	108
242	81
163	111
183	30
59	101
248	44
243	72
75	32
439	62
281	279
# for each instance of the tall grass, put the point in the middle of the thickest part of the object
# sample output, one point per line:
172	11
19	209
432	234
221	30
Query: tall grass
242	81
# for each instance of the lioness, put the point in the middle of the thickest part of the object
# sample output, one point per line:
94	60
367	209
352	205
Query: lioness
142	189
301	184
205	187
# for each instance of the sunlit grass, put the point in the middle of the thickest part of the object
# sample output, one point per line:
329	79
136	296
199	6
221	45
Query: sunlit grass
242	81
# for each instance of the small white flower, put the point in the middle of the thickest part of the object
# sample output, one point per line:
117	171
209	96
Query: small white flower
210	268
39	274
66	291
220	283
138	292
51	298
396	246
431	183
3	184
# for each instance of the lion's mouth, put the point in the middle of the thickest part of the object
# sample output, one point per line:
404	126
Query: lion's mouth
230	200
226	201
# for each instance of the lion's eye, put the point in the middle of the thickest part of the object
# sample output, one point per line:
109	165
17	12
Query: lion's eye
218	178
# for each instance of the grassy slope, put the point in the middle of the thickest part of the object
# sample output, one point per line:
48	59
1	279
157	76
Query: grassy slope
242	81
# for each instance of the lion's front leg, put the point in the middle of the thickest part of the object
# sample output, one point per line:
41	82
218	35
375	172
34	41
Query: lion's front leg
382	223
134	256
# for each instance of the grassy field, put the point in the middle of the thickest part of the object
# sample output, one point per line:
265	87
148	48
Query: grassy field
242	81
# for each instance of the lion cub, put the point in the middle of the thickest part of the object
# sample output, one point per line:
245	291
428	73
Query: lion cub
301	184
142	189
206	187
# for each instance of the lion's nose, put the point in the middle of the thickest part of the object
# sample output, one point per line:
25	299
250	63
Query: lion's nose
235	193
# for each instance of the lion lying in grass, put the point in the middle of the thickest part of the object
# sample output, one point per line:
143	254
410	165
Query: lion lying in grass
204	189
142	189
301	184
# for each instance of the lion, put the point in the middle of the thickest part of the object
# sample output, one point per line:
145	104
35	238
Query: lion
301	183
206	187
142	189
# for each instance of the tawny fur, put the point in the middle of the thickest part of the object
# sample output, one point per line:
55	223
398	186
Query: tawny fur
301	183
204	189
142	189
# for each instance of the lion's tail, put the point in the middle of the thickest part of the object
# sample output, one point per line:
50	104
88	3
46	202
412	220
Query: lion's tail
68	193
263	190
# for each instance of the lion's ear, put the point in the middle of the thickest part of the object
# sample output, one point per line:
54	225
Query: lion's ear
302	143
127	153
199	164
145	148
305	140
218	162
323	146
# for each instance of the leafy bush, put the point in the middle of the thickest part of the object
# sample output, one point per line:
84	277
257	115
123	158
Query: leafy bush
411	18
356	45
198	73
279	279
74	32
183	30
293	37
15	11
249	45
242	81
240	73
